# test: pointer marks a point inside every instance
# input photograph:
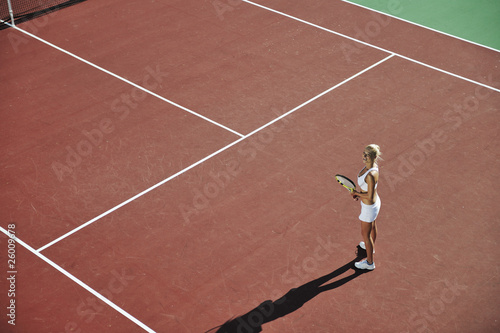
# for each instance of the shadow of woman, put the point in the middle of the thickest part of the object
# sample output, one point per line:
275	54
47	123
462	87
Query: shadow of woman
252	321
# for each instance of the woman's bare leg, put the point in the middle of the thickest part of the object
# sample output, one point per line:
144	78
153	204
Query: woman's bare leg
366	232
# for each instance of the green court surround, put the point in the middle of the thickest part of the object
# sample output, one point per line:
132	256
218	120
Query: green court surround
477	21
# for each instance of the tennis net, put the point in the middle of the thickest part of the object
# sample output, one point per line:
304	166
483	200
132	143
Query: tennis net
24	10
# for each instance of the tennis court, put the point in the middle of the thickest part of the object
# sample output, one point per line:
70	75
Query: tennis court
167	166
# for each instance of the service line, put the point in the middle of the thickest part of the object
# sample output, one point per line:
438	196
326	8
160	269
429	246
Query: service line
210	156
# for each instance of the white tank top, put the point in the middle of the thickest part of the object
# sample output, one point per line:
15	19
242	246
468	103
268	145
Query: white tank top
361	180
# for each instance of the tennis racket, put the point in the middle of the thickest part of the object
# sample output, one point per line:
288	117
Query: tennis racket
346	182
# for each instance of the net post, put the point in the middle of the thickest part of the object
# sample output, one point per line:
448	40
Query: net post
11	13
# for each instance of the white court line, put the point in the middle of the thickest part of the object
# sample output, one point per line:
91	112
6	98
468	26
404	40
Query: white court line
138	195
370	45
123	79
209	156
41	256
422	26
80	283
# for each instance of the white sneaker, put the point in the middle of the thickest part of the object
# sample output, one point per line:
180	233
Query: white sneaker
365	265
362	245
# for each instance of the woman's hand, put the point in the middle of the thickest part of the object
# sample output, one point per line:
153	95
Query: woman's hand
355	195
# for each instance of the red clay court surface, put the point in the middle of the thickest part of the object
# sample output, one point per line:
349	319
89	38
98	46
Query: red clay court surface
135	214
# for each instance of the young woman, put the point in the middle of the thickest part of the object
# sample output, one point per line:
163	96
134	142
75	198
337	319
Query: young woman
370	203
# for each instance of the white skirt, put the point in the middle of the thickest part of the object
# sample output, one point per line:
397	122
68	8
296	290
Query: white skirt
370	212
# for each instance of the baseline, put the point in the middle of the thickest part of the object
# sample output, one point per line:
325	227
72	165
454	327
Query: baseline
80	283
370	45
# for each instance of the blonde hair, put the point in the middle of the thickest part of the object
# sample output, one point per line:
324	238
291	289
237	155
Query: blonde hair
374	152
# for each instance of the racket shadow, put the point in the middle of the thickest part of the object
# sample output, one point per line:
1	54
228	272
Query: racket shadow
294	299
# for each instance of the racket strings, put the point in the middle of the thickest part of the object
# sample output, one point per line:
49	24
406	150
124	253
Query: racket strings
345	181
